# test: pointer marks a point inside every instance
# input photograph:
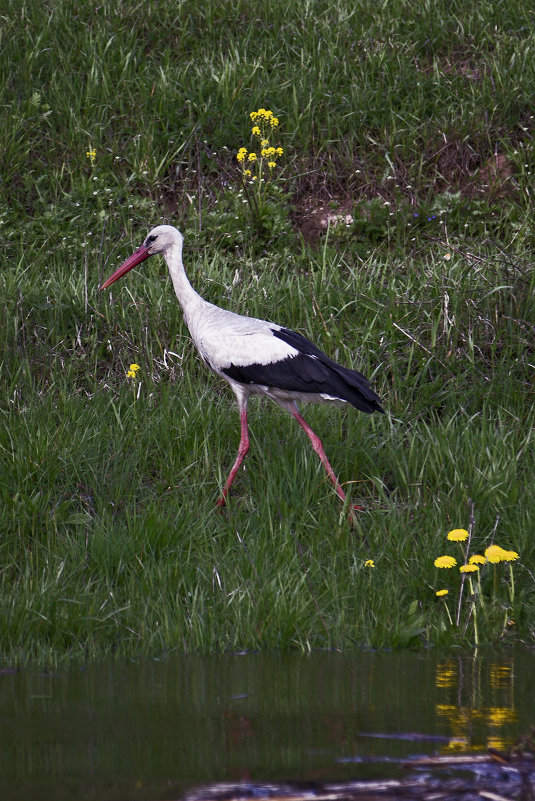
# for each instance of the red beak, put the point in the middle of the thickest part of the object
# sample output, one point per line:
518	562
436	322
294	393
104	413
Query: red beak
136	258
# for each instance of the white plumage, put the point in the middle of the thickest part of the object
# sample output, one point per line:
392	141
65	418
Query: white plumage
255	356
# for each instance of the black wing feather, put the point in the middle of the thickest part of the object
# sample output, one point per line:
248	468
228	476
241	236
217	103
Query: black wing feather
310	371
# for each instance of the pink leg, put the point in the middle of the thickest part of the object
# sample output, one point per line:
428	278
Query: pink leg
318	447
242	451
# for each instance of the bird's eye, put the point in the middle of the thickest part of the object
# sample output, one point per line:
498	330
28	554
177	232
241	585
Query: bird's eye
150	239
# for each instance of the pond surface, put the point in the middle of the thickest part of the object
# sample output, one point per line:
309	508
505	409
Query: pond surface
157	729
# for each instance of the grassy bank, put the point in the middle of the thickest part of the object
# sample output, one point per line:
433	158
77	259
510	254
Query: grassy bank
413	125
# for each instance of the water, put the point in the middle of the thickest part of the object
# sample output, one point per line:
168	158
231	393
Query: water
157	729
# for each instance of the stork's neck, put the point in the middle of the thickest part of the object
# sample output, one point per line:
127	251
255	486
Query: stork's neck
187	297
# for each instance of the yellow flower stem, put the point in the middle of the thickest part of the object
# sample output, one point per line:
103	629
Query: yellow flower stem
459	602
511	585
463	575
504	624
134	404
474	612
448	613
259	182
479	593
511	597
253	205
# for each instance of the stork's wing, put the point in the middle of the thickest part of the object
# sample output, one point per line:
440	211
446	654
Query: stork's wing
304	368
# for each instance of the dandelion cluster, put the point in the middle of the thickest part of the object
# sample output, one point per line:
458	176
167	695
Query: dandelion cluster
495	554
472	566
265	123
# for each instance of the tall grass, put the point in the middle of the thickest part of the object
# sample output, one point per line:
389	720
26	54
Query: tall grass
418	120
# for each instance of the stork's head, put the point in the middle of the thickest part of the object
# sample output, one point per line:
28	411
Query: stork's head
159	240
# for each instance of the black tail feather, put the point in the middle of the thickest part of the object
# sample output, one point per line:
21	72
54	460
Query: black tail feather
358	390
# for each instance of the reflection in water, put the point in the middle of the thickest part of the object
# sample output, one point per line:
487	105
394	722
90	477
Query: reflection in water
475	691
155	729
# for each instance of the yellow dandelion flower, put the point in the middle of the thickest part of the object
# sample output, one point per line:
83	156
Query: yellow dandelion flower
477	559
252	157
494	554
253	115
256	131
509	556
272	164
369	563
135	367
441	593
273	122
279	151
469	568
445	561
247	172
458	535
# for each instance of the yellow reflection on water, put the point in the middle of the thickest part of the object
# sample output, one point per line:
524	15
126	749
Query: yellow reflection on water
501	676
477	702
446	675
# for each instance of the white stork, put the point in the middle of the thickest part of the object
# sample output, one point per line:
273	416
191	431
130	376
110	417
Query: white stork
255	356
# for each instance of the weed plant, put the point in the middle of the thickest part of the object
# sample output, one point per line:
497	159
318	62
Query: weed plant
398	235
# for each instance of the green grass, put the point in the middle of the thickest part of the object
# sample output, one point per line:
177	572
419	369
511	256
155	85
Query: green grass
416	119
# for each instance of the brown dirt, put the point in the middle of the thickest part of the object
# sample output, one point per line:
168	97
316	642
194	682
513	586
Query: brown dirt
454	167
315	214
